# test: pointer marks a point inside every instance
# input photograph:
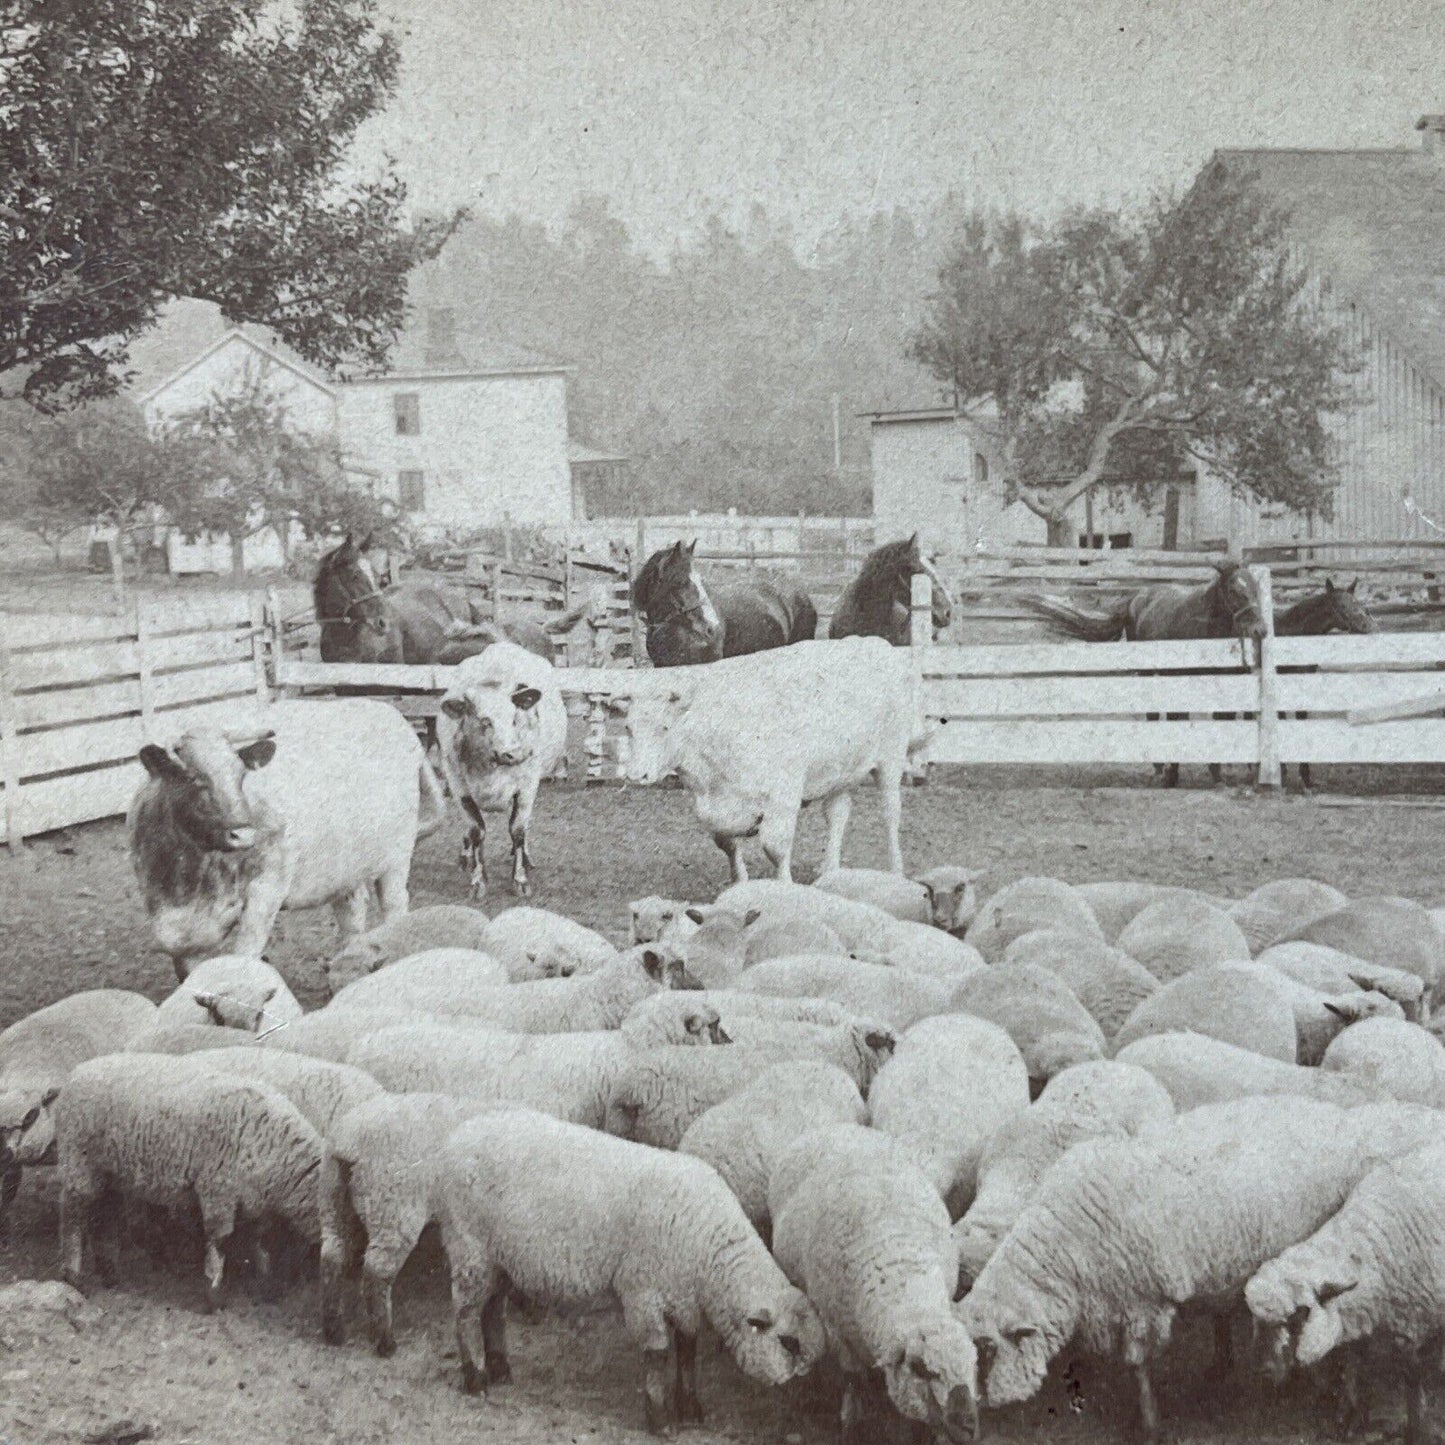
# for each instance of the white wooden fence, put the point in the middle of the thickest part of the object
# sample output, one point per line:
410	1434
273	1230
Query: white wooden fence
80	695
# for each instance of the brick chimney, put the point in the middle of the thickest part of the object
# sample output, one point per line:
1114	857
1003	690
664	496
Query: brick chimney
1432	134
441	337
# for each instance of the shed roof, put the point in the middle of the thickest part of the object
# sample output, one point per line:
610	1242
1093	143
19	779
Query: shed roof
1373	222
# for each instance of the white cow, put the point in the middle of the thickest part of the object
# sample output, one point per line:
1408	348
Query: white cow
312	802
502	728
756	737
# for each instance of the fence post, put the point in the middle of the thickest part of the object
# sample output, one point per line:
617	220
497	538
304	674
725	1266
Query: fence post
9	761
144	670
920	634
258	649
1269	769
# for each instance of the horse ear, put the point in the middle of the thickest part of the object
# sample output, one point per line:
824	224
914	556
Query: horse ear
1329	584
677	548
692	547
1351	588
914	549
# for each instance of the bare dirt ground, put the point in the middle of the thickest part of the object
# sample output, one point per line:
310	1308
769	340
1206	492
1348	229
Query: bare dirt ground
69	920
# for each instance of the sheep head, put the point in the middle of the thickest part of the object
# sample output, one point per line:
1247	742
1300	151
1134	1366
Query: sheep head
932	1377
778	1335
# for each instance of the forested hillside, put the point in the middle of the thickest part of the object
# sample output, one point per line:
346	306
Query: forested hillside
714	372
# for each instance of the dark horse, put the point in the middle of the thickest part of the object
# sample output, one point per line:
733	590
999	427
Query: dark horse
878	601
1333	610
420	621
1229	606
688	623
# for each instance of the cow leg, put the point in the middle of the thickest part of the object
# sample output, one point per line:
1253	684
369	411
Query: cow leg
473	847
263	902
890	793
391	891
349	910
776	834
9	1187
840	807
517	827
733	852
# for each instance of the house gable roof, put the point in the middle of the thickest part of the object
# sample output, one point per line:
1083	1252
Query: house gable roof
1373	223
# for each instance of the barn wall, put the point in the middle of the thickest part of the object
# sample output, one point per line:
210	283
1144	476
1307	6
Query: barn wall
231	368
492	449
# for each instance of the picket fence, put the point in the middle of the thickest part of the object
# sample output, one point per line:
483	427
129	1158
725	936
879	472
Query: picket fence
79	696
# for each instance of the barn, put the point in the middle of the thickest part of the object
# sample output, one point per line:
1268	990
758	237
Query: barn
1370	227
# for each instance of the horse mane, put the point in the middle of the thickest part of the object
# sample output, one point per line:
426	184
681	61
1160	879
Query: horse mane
882	560
645	583
325	570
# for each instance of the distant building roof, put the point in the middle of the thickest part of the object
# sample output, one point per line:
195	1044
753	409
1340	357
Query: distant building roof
1373	222
417	357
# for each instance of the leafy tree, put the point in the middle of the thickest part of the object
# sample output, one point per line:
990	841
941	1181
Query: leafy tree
1114	348
156	148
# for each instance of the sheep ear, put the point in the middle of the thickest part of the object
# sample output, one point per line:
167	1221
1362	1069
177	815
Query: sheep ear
1020	1333
30	1118
1332	1289
269	994
653	964
212	1006
751	917
930	892
50	1096
1339	1011
879	1039
697	915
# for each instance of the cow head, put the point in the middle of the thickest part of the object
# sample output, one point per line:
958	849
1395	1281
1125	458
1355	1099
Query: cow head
497	723
651	747
27	1131
203	773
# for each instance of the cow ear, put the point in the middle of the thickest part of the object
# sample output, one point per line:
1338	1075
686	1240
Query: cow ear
258	754
161	764
526	698
454	707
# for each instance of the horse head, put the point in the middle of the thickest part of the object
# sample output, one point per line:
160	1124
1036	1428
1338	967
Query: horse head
1342	611
913	563
345	589
670	598
1236	594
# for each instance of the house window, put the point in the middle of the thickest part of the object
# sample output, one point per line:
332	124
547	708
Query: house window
411	491
406	406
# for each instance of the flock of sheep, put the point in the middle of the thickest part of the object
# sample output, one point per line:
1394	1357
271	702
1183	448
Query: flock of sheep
866	1118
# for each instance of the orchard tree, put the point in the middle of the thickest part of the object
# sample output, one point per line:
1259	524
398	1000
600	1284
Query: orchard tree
159	148
1116	349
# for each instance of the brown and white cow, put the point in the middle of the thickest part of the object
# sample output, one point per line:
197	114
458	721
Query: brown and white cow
316	802
502	728
754	738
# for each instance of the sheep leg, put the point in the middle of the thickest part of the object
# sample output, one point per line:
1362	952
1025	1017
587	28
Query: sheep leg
9	1187
105	1236
341	1238
732	851
1223	1364
839	809
853	1414
219	1221
1148	1405
1415	1406
689	1408
494	1339
517	829
75	1221
384	1259
392	896
647	1324
473	1287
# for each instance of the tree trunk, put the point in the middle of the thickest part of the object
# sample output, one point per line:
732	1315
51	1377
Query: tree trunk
238	554
1061	530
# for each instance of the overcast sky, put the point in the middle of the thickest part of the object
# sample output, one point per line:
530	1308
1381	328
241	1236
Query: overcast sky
816	107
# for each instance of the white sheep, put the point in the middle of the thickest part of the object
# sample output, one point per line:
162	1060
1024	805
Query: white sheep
578	1004
1331	971
664	1236
232	991
656	919
865	930
662	1091
943	897
895	995
669	1017
871	1248
1225	1002
441	925
716	951
333	1033
858	1046
1319	1017
1027	905
1277	908
1373	1269
1173	936
570	1076
1395	932
743	1136
1402	1059
1050	1027
854	1146
322	1092
377	1193
1100	1100
533	943
1199	1070
1108	983
786	937
921	948
160	1129
441	980
1123	1233
37	1054
1116	904
952	1081
187	1039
